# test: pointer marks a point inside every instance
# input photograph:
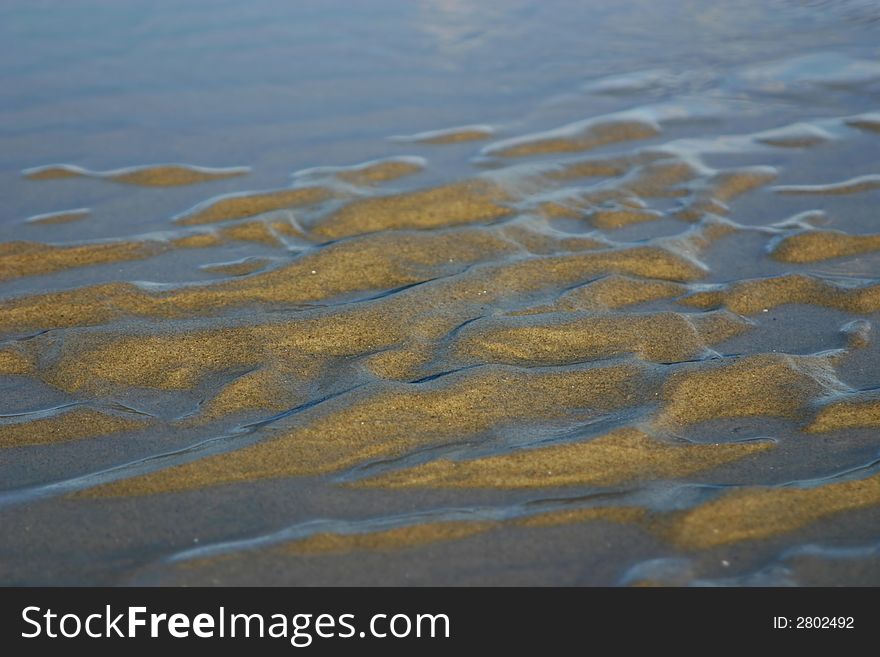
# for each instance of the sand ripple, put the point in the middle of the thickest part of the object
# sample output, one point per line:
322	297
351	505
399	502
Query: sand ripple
615	340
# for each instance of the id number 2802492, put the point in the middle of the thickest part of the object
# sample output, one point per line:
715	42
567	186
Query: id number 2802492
814	623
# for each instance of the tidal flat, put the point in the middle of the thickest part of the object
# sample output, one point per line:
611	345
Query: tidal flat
440	292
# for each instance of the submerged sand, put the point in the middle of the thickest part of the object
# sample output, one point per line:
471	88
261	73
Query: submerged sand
647	343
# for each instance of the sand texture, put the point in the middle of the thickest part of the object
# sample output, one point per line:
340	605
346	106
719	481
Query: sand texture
621	333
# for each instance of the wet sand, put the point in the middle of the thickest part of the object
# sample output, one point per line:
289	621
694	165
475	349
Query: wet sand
616	332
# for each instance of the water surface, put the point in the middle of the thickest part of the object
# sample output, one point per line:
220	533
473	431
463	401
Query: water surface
439	292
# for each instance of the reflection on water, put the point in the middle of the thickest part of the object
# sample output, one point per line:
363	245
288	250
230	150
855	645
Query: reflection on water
518	292
455	27
859	12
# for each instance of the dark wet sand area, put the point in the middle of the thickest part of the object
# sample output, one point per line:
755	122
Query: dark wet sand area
506	307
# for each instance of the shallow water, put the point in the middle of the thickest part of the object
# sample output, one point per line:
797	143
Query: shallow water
440	292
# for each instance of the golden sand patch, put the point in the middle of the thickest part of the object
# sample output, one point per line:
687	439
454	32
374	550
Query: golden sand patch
660	337
13	362
727	185
602	167
619	456
382	262
756	513
177	360
392	418
158	175
710	196
169	361
196	241
753	296
609	216
75	424
618	514
545	242
818	245
32	258
776	385
869	122
621	217
266	389
250	231
464	202
451	135
287	228
78	307
543	272
659	179
617	202
577	137
854	411
36	258
607	293
399	364
616	291
248	204
380	171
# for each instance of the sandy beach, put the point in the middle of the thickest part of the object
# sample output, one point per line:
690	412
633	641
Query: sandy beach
453	294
